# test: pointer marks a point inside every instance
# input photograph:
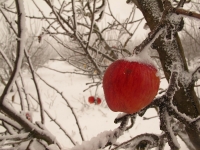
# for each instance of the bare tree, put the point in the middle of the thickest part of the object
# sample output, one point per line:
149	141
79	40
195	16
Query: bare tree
74	25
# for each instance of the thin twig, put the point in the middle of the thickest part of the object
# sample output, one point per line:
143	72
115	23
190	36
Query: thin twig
36	86
57	123
68	104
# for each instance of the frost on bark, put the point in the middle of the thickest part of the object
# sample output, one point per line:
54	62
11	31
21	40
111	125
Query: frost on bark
171	51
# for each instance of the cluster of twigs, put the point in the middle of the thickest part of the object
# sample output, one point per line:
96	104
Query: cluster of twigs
91	52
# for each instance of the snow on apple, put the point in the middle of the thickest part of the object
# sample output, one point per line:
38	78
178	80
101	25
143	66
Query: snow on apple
130	84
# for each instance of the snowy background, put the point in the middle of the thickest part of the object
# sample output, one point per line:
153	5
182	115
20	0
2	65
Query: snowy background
93	119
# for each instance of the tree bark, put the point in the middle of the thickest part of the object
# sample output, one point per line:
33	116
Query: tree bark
185	98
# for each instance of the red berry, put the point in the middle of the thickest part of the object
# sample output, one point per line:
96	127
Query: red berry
91	99
129	86
98	100
28	116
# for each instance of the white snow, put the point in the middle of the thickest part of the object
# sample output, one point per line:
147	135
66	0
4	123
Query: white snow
143	58
52	147
169	128
153	6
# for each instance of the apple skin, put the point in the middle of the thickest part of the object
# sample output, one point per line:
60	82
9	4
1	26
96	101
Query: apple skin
130	86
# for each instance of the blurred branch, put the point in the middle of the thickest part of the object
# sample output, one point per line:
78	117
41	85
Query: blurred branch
181	3
66	71
105	138
130	34
57	123
10	23
24	90
184	12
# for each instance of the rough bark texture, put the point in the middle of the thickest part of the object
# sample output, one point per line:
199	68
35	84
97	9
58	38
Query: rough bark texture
185	98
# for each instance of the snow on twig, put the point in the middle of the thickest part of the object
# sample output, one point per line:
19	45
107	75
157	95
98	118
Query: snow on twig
20	136
20	47
166	127
103	139
40	134
10	122
30	127
37	132
16	82
100	141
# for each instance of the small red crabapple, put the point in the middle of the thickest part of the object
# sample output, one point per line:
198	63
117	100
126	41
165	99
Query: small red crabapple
91	99
98	100
28	116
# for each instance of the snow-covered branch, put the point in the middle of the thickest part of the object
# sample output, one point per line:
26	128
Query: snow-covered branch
20	48
104	139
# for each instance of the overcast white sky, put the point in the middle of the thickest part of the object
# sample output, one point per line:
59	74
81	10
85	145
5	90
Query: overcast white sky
119	7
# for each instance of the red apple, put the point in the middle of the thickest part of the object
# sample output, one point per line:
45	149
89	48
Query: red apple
129	85
91	99
98	101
